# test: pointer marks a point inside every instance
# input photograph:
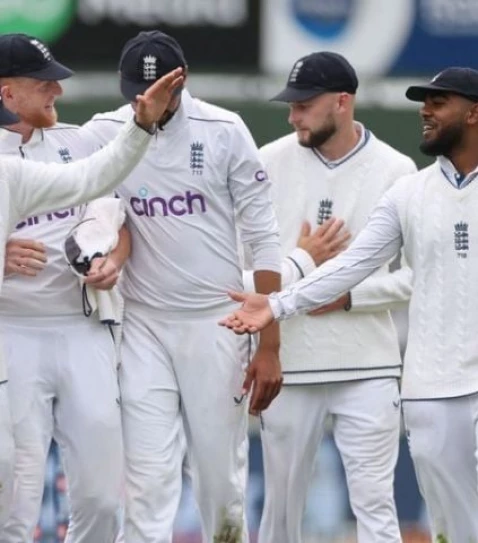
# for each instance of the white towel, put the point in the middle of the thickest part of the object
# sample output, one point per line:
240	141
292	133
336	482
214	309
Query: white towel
96	235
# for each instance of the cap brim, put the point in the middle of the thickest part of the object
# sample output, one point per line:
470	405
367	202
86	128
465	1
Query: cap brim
418	93
7	117
55	71
292	94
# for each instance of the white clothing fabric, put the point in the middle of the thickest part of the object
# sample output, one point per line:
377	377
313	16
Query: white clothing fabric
97	234
198	182
443	440
361	343
54	291
28	188
170	377
63	384
436	223
366	431
201	182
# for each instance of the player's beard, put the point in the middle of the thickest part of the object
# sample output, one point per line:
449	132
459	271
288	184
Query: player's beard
317	138
40	118
444	142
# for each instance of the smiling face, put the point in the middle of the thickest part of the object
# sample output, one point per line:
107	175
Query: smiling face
314	120
33	100
445	121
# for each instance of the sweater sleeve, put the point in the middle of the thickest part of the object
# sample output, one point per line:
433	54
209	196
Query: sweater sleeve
381	293
378	243
36	187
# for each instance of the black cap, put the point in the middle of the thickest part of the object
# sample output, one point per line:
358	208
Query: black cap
146	58
455	80
6	116
316	74
26	56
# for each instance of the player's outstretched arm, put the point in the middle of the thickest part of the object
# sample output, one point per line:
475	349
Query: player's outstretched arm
36	187
254	315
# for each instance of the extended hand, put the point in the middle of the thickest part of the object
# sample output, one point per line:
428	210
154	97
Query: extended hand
103	273
254	315
327	241
151	105
24	257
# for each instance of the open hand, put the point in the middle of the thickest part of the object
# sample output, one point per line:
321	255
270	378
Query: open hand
254	315
151	105
326	242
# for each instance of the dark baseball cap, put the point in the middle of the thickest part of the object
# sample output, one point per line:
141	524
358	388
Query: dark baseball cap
455	80
26	56
316	74
146	58
6	116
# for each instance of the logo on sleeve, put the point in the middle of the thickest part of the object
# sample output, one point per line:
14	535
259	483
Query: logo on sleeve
462	240
260	176
197	158
325	210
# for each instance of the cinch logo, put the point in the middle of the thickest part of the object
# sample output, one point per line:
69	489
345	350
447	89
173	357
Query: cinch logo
187	204
49	217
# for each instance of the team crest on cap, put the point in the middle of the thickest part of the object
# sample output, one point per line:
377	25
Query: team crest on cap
436	77
295	71
42	48
149	67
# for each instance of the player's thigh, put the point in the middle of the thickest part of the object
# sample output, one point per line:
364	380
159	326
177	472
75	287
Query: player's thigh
210	363
367	425
30	354
281	434
434	428
6	454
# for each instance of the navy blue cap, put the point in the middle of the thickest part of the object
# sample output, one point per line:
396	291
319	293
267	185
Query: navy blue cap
455	80
146	58
25	56
316	74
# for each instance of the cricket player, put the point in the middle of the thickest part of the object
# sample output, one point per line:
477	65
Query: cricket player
62	377
201	180
29	188
432	214
343	363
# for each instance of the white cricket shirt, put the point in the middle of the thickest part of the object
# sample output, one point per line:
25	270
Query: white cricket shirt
201	179
28	188
55	290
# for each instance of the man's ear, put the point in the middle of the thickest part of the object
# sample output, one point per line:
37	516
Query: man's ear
472	114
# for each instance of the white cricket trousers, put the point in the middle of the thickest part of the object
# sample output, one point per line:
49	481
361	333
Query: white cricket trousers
443	438
63	384
366	427
183	370
6	456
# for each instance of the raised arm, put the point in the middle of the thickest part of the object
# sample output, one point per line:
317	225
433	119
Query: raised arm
36	187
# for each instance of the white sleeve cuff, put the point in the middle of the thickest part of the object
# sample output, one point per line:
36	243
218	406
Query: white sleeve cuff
302	260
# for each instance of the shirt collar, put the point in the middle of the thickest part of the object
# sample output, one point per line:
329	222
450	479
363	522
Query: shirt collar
363	139
453	176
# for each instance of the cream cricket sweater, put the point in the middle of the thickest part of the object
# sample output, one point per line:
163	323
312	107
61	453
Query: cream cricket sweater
338	346
437	224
